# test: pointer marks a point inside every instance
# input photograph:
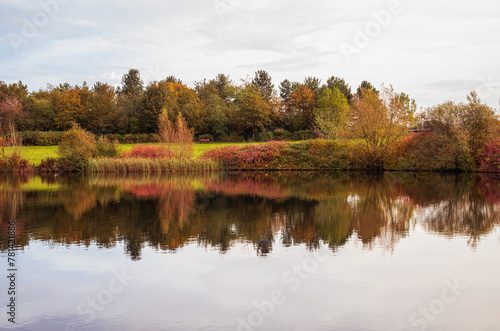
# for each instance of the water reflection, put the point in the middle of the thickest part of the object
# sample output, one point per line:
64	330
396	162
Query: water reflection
264	209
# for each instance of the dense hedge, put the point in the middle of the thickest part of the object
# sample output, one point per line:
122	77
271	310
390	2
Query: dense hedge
41	138
52	138
140	138
275	135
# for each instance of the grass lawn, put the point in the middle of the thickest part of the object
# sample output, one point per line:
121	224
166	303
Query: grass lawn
35	154
199	148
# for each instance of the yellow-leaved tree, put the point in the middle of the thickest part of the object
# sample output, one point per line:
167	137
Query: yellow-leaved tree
331	113
178	136
379	119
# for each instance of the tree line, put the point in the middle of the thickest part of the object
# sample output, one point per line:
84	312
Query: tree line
254	109
219	108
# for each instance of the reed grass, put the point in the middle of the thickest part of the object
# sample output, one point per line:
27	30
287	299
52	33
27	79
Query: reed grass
143	165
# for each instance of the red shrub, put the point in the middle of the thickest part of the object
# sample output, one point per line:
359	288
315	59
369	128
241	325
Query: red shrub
149	152
489	157
250	157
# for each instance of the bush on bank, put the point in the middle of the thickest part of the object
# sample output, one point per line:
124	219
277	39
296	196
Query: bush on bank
428	151
14	163
52	138
489	157
308	155
424	151
75	149
149	152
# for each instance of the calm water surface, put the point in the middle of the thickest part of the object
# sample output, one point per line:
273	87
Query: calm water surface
277	251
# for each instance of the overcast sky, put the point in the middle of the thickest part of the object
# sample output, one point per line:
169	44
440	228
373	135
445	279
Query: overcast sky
432	50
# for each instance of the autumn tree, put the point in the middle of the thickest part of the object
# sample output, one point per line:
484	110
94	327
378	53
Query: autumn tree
132	83
130	103
157	96
331	113
340	84
466	126
254	110
379	121
184	138
410	105
219	112
480	121
217	108
68	107
278	112
173	79
225	87
178	136
176	98
166	130
41	114
285	90
300	109
83	117
15	90
262	81
10	108
190	107
365	85
13	102
313	83
102	112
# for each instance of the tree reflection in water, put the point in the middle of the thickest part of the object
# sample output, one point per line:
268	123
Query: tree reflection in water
262	209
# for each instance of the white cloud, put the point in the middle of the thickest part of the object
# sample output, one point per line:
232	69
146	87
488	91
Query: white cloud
448	42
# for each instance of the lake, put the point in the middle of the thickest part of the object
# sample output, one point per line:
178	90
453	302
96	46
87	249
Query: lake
251	251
